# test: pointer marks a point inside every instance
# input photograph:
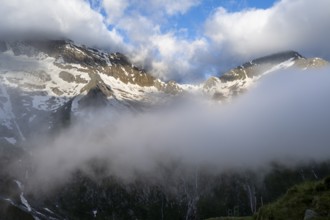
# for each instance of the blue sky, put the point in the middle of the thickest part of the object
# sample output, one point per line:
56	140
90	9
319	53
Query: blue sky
190	22
193	19
183	40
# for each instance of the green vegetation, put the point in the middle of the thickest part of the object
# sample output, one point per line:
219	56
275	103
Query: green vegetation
313	196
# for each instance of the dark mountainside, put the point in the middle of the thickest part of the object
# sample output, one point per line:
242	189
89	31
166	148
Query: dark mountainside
46	86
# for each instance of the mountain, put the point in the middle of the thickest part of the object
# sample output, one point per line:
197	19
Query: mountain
41	79
240	78
53	80
46	85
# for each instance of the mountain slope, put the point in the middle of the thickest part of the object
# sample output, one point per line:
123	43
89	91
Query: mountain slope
310	200
237	80
39	79
46	85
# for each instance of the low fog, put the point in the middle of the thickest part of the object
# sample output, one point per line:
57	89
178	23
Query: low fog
284	117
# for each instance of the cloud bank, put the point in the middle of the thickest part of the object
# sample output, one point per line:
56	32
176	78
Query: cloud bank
147	31
297	25
284	118
73	19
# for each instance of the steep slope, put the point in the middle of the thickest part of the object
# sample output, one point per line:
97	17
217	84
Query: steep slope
310	200
43	82
237	80
38	79
44	85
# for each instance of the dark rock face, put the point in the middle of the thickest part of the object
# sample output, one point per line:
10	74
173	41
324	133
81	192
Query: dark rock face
66	76
3	47
96	97
9	211
61	117
172	197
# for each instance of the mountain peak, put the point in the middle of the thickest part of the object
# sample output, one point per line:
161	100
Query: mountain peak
238	79
49	74
45	86
275	58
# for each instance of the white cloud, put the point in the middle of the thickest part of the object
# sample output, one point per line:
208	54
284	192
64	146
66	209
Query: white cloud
143	31
138	28
176	56
266	124
73	19
174	6
115	9
234	37
82	21
290	24
162	52
168	56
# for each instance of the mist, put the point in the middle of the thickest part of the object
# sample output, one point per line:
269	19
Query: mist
284	118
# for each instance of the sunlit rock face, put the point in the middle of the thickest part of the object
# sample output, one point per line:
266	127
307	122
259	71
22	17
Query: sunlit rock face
237	80
39	78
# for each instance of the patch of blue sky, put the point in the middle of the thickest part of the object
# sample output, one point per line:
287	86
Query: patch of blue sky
190	24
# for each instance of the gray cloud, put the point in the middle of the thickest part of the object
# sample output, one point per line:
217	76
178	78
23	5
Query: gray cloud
284	118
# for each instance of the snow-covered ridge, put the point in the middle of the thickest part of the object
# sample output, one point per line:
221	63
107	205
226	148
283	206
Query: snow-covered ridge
42	81
79	64
57	77
39	82
239	79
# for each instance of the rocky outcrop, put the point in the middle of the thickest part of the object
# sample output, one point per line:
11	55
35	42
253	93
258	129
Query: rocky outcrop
237	80
259	66
311	63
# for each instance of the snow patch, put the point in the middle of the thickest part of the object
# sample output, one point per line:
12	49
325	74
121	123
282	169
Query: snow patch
95	213
48	210
19	184
25	202
40	102
128	91
11	140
